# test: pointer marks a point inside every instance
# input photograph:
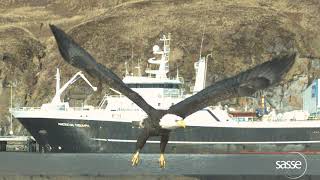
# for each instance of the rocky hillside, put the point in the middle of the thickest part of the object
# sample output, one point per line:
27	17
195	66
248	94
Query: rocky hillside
239	34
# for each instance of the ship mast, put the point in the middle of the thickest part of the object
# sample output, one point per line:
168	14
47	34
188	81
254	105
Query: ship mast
11	99
201	42
139	68
163	62
127	72
57	80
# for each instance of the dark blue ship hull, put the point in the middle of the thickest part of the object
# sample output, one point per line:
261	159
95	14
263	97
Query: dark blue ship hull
60	135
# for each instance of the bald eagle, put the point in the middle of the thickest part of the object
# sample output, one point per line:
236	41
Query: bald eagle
157	122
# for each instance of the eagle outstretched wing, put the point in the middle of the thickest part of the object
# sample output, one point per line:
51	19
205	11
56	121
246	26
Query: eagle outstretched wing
80	58
244	84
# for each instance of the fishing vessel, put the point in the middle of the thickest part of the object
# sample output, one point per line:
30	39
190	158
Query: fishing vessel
115	124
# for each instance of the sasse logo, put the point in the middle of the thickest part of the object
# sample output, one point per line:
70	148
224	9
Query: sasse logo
288	164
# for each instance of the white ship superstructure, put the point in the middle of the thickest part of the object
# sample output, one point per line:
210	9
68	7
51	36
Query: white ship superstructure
156	87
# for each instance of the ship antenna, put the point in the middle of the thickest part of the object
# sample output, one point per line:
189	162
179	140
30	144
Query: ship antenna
202	40
177	72
138	67
132	70
127	72
11	106
149	74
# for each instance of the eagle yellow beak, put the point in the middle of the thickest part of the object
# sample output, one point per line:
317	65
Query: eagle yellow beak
181	123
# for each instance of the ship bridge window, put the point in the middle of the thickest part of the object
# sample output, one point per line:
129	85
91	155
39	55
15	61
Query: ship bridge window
168	86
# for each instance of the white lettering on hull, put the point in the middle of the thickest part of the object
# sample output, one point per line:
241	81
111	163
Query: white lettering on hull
74	125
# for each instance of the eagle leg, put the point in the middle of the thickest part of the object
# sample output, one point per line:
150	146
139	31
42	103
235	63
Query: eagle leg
163	143
141	141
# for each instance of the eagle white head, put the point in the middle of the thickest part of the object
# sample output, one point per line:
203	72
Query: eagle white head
171	121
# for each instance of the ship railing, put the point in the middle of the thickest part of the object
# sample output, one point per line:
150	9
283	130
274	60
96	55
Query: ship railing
115	96
173	96
66	109
77	109
25	109
83	108
175	78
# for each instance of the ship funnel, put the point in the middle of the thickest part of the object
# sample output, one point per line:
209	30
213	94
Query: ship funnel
201	68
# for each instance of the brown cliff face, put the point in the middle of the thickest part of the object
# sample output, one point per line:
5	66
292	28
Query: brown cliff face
239	34
20	61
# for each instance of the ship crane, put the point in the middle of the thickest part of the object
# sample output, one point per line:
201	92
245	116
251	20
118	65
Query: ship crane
56	99
56	103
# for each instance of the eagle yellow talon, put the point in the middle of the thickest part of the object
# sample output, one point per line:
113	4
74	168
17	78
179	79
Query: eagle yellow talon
135	159
162	161
181	123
